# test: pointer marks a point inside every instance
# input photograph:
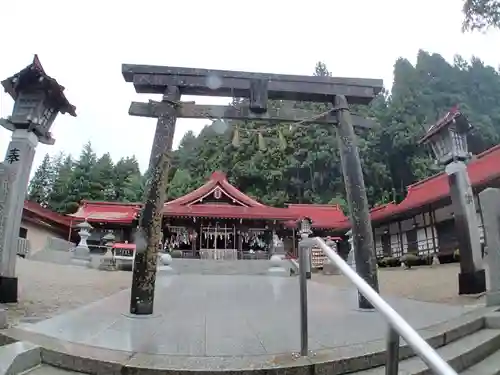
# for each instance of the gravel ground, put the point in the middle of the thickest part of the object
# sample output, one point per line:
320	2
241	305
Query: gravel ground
47	289
427	283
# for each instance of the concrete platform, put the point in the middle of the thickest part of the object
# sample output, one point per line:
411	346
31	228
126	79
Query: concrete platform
235	322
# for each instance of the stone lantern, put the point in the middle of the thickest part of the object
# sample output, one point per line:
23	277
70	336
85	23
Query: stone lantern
448	140
108	260
38	98
81	254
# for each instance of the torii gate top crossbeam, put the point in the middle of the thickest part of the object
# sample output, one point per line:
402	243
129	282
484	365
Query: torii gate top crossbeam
206	82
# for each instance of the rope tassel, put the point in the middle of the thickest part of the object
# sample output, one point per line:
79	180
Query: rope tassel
262	142
282	140
236	138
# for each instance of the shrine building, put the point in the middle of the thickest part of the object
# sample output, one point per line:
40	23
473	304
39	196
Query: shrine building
216	217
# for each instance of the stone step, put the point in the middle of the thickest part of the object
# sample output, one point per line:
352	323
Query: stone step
19	357
460	354
49	370
223	267
488	366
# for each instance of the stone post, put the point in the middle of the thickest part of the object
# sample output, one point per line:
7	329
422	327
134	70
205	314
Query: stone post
8	285
362	234
472	278
81	254
490	203
19	158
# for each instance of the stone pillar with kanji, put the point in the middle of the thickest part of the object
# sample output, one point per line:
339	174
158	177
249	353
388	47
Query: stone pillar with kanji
38	99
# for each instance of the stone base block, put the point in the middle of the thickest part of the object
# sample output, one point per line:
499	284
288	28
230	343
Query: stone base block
165	270
493	299
330	269
3	318
472	282
8	289
277	271
83	262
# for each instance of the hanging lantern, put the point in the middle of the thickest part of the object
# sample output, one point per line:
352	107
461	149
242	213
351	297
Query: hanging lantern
262	142
236	138
282	140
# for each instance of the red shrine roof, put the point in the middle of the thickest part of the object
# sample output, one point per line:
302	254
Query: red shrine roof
109	212
55	217
217	180
322	215
241	206
484	169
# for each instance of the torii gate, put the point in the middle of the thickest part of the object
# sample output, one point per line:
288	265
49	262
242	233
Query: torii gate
258	88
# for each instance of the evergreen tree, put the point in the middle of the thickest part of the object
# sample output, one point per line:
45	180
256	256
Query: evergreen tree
306	167
41	184
82	183
62	174
127	180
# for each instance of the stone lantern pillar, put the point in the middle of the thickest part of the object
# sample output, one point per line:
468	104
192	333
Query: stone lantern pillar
81	254
108	260
38	99
448	139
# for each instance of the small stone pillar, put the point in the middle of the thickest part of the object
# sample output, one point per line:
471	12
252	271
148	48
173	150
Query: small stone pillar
81	254
351	259
490	204
329	268
277	266
164	264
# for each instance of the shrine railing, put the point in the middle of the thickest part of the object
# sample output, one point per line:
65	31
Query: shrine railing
398	327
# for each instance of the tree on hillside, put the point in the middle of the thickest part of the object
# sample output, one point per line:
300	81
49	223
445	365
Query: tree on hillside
128	184
481	14
62	173
82	180
102	178
41	184
301	164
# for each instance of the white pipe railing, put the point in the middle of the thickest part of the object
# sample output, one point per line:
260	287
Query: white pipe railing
396	321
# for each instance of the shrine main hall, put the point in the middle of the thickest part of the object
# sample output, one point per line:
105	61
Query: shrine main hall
216	217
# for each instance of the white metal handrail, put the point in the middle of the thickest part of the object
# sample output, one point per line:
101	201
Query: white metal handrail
396	321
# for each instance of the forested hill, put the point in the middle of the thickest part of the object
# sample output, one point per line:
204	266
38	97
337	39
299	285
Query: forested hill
301	164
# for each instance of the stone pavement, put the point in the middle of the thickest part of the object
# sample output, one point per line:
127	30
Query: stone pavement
218	316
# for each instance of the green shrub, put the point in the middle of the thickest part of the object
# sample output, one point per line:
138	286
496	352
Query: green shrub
391	261
410	260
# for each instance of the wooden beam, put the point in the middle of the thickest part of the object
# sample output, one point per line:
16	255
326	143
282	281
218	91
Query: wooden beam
153	109
154	79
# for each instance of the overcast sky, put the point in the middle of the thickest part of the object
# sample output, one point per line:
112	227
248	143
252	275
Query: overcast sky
83	44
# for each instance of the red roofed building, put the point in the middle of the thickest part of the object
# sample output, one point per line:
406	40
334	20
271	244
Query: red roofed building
39	225
219	216
423	221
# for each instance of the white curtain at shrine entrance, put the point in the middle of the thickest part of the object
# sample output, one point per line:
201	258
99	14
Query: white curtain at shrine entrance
218	242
